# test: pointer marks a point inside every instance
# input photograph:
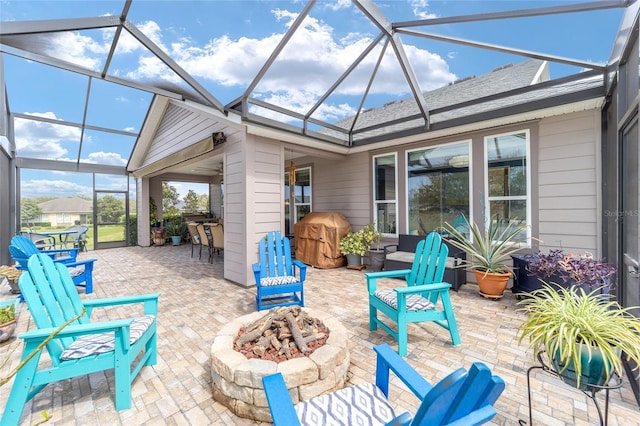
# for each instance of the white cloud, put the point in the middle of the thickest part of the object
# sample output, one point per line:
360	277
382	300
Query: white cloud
37	139
108	158
77	49
43	140
419	8
61	188
312	60
310	63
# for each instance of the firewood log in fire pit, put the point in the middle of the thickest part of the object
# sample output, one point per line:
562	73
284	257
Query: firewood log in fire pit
283	333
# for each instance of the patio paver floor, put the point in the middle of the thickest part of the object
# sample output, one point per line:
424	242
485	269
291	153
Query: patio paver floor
196	302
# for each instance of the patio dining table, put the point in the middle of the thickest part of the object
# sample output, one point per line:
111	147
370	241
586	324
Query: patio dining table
57	243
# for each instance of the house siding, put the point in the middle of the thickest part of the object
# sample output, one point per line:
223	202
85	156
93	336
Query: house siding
569	178
179	129
344	186
236	175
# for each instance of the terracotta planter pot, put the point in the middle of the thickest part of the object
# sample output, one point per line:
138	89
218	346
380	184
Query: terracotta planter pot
492	285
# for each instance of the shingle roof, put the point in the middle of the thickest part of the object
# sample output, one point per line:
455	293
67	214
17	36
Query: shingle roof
455	101
67	205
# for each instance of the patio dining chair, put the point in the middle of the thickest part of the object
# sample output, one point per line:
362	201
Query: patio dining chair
77	237
42	241
217	236
279	279
424	298
194	238
205	241
462	398
84	346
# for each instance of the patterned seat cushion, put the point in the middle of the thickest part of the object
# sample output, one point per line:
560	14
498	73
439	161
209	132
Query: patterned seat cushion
285	279
362	404
75	271
94	344
415	302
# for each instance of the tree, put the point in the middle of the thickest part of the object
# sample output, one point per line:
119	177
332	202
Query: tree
191	201
29	210
170	199
203	202
110	208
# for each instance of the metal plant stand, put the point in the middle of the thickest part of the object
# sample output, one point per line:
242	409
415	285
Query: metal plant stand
614	383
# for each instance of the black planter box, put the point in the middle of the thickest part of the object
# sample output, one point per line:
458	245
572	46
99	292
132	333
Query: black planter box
525	282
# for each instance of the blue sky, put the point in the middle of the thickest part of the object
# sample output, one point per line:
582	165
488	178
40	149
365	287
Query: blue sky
224	43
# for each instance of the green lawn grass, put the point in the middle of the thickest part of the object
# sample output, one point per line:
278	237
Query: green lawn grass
107	233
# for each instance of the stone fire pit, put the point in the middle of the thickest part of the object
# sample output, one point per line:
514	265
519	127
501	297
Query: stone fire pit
237	380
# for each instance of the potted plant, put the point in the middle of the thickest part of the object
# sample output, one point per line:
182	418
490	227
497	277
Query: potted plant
489	252
7	319
176	231
354	247
375	253
583	334
12	273
565	270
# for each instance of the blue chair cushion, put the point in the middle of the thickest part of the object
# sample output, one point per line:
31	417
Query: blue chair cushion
415	302
362	404
94	344
285	279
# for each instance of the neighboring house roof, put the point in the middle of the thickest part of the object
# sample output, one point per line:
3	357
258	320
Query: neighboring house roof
67	205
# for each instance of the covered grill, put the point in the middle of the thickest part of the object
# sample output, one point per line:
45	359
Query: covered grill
318	237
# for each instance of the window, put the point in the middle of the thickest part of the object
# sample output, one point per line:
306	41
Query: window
301	192
385	210
507	177
63	218
438	187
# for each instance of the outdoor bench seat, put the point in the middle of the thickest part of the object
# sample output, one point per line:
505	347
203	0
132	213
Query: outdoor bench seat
400	256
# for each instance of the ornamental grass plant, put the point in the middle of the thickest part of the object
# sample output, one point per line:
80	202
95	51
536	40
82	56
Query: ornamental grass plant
561	321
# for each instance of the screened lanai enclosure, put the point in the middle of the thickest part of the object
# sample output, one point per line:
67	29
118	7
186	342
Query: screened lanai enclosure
409	117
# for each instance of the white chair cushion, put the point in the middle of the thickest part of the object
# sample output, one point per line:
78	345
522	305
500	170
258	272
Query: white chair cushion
407	257
94	344
401	256
415	302
285	279
362	404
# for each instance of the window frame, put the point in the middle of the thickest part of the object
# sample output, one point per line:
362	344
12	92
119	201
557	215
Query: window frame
376	202
469	143
527	198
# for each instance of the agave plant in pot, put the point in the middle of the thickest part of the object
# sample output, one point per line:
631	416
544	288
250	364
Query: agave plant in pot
582	333
489	251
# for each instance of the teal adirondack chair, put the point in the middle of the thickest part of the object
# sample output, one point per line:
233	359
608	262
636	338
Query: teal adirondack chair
81	271
424	298
84	347
279	280
463	398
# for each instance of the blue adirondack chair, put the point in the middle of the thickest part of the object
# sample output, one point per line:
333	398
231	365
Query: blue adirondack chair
463	398
81	271
84	347
279	280
418	301
29	248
